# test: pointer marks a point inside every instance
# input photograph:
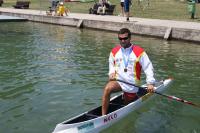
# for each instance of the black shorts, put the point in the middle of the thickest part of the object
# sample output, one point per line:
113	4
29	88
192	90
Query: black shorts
122	4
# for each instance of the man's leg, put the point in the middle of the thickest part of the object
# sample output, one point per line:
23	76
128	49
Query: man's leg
126	8
104	10
99	10
111	86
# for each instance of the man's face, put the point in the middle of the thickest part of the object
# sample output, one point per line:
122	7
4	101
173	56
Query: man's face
124	40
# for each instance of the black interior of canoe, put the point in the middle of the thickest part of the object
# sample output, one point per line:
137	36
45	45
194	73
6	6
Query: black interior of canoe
114	104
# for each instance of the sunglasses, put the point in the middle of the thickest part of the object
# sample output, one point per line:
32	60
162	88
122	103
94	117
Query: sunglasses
125	38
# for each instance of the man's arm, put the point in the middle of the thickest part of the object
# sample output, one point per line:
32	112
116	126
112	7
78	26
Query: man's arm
148	70
111	67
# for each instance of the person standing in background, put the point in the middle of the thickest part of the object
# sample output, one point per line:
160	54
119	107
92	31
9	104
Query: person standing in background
126	9
122	7
1	2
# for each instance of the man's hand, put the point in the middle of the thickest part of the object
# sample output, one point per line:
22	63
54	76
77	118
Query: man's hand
150	88
112	76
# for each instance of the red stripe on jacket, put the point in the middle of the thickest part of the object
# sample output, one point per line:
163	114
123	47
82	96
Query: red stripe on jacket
115	50
138	51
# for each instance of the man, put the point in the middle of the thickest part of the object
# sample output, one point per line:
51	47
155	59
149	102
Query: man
125	63
103	4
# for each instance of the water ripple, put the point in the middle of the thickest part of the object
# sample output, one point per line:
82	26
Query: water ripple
50	73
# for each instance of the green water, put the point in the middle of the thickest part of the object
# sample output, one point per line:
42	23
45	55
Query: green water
50	73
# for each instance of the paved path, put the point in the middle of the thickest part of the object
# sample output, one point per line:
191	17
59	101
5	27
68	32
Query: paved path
144	21
192	27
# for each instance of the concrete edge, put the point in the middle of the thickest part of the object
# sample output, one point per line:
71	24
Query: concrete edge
136	28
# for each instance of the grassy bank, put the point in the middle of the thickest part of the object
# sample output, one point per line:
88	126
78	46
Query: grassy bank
159	9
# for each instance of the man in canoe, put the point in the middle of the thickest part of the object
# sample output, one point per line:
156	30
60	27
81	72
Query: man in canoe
125	63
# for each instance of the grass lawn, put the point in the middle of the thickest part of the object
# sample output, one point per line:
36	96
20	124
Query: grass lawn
159	9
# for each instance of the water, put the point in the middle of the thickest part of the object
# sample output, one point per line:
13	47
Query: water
50	73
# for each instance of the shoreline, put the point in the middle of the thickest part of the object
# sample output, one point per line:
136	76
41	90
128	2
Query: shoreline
166	29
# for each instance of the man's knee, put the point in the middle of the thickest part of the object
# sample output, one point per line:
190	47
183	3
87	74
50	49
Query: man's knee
108	89
112	86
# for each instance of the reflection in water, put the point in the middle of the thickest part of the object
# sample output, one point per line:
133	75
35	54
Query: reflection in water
49	73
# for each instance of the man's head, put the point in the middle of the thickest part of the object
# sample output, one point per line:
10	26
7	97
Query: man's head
124	36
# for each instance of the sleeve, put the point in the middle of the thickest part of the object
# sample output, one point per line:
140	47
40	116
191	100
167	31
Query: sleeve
147	68
111	64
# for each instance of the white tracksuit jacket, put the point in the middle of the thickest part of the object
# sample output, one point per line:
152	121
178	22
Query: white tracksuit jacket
136	59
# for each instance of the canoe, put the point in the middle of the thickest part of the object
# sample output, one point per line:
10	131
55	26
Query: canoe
92	121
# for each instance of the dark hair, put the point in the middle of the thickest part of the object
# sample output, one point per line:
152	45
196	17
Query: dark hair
125	30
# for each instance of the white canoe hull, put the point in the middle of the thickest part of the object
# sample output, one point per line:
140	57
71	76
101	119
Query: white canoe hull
102	122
